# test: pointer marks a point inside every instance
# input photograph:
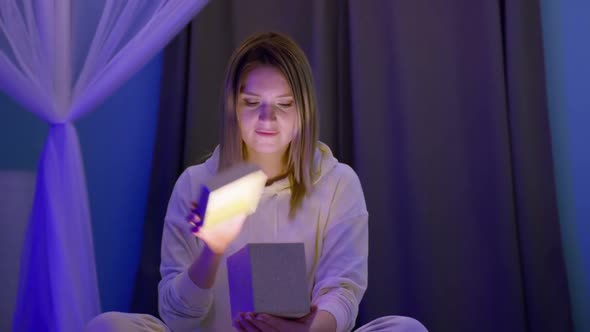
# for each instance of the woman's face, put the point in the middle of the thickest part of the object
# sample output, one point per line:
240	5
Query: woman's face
267	114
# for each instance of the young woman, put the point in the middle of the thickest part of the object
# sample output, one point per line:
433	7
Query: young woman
269	119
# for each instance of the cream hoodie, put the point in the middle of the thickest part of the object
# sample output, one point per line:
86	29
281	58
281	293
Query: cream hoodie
332	224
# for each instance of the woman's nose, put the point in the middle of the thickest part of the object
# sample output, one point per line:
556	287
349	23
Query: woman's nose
267	112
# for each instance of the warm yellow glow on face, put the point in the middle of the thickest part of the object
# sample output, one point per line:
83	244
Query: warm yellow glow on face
267	114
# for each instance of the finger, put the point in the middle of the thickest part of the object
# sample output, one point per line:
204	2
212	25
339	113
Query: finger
194	206
247	323
195	209
262	325
276	322
313	310
311	315
236	324
193	217
195	229
194	226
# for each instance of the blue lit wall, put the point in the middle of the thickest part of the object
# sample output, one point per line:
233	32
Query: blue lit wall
566	26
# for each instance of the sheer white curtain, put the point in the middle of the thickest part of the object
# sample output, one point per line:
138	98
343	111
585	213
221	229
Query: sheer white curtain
60	59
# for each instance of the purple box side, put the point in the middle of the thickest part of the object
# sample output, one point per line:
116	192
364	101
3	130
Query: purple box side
239	276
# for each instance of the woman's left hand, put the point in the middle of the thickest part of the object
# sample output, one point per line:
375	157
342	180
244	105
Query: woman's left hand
251	322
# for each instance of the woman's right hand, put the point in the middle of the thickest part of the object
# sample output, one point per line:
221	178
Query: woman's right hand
217	237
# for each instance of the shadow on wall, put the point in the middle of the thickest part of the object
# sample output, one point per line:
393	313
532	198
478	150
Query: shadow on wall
16	198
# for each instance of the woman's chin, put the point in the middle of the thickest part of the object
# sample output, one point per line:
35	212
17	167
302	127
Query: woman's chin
268	149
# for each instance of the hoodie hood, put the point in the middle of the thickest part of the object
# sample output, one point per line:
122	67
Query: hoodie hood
323	162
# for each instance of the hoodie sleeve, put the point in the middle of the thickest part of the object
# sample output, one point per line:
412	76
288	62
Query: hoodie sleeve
182	304
341	276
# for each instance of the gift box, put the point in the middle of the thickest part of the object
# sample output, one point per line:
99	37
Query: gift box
269	278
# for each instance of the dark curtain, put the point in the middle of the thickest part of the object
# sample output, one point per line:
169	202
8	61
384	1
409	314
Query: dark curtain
440	108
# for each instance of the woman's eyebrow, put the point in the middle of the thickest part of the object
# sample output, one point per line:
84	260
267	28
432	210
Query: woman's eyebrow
286	95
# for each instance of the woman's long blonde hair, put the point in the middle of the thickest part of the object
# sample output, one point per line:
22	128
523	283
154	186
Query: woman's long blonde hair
281	52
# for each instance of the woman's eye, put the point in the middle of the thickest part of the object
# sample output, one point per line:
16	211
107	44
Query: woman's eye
286	104
250	103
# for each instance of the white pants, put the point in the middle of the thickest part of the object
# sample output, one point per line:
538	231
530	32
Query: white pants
124	322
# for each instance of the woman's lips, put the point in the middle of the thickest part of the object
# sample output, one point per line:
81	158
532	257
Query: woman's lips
266	133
